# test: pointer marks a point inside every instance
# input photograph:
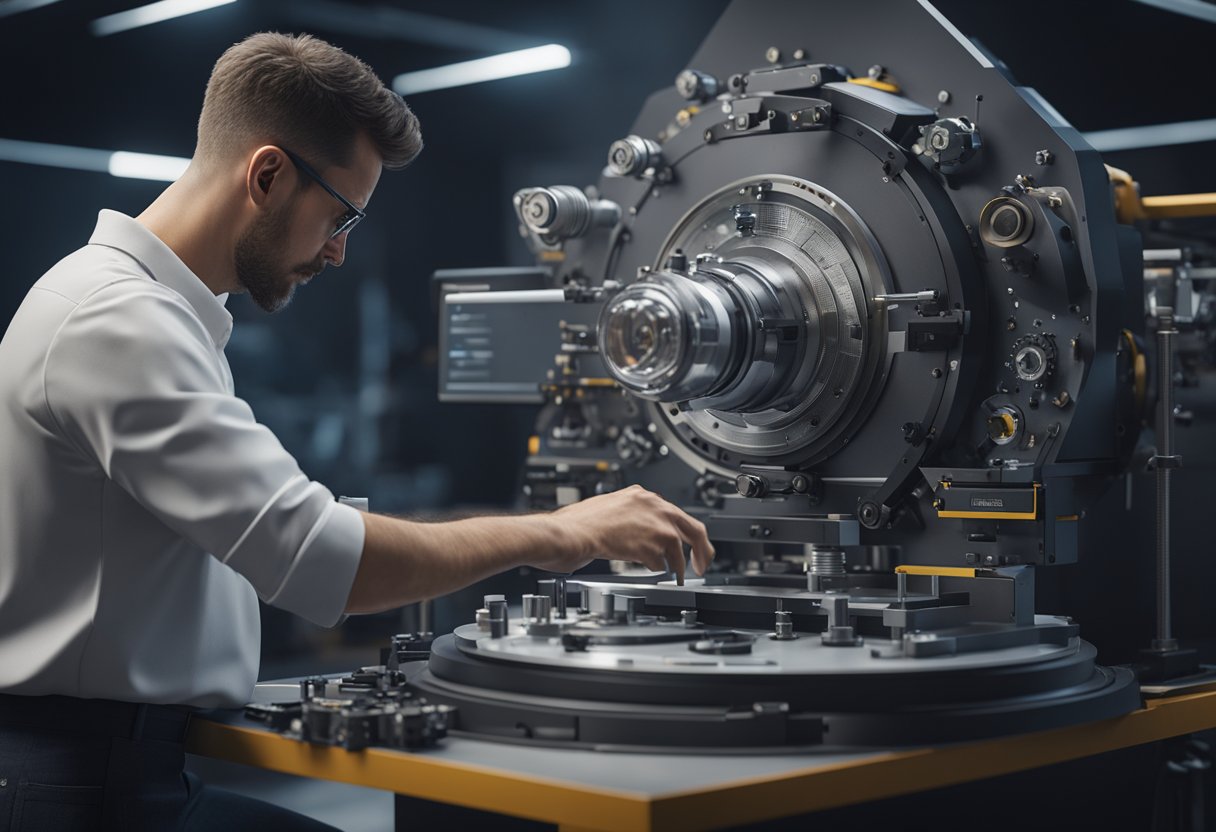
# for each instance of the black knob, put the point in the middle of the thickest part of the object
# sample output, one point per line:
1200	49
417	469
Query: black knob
750	485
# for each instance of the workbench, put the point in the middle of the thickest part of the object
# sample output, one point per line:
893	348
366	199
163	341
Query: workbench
586	790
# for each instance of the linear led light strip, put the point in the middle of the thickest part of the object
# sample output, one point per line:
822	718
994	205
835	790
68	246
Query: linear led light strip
151	13
506	65
114	162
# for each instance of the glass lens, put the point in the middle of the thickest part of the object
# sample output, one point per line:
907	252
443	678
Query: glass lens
642	339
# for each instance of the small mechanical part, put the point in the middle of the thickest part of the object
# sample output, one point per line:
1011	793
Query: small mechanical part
497	605
483	620
800	484
634	604
408	647
561	212
783	626
799	55
772	55
584	599
537	609
745	221
1005	222
923	296
635	447
709	490
729	643
876	71
688	618
1034	357
751	485
634	155
678	261
949	142
313	686
1044	157
943	97
559	596
693	85
839	632
608	606
1003	425
914	432
823	562
373	706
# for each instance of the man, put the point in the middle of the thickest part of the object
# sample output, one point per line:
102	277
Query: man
143	510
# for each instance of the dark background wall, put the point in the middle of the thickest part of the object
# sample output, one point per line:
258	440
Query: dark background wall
346	375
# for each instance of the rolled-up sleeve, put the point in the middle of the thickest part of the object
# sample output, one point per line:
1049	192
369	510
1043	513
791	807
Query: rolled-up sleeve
134	382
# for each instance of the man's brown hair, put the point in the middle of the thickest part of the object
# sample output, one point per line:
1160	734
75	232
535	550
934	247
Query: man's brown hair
303	93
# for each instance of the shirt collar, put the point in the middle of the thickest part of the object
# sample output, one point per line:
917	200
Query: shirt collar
165	267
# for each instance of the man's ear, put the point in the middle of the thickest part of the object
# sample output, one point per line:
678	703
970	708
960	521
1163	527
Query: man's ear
266	175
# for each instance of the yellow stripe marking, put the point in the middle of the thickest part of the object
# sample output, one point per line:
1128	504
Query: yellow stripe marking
948	571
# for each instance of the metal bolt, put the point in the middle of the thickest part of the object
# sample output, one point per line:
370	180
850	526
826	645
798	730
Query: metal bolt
937	373
741	121
688	618
875	71
783	627
943	97
772	54
1043	157
799	54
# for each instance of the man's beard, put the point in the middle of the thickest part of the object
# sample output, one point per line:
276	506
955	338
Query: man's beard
259	264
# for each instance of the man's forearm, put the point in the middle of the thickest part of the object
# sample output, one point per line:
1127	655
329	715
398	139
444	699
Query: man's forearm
405	562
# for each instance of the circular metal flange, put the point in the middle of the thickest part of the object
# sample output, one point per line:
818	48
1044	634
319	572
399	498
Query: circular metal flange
819	256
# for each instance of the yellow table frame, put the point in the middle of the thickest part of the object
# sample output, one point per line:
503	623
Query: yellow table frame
574	806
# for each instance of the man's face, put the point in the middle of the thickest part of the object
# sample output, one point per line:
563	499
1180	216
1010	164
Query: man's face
289	243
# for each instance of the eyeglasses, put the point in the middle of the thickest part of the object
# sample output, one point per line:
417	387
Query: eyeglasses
353	214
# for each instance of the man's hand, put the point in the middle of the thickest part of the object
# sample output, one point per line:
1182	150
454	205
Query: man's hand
632	524
405	562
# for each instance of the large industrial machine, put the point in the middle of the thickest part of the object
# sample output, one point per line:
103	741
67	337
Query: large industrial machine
879	317
882	328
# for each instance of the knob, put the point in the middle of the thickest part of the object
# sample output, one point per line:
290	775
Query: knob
751	485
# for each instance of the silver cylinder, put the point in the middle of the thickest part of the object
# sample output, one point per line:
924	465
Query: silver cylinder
633	155
537	609
783	627
688	618
823	560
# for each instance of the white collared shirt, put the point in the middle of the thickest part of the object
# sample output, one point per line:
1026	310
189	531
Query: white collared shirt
141	504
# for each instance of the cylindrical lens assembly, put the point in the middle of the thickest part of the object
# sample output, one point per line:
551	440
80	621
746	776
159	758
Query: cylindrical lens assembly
642	339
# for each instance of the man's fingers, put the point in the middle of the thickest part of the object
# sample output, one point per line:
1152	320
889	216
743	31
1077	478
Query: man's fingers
675	557
694	533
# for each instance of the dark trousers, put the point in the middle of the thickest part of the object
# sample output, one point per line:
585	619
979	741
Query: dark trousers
82	765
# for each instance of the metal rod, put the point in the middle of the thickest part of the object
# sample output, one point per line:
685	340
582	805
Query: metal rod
1166	462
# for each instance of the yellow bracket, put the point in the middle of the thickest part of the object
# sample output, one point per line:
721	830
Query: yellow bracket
1130	206
874	83
946	571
